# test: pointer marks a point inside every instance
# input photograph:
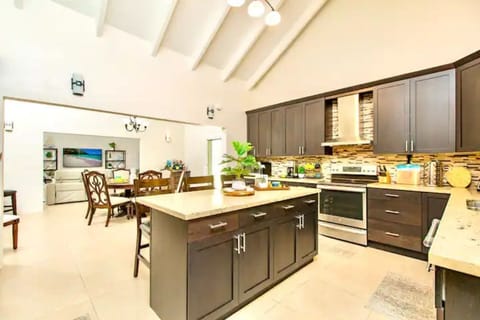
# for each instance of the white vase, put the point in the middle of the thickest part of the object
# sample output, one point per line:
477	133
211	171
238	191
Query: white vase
239	184
301	175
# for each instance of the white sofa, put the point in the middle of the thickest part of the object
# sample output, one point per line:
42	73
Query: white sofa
67	187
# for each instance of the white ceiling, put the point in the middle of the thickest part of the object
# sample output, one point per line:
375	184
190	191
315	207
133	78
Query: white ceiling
207	31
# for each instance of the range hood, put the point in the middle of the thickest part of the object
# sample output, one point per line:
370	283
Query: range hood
348	123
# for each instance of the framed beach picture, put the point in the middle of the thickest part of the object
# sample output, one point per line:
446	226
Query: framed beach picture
82	157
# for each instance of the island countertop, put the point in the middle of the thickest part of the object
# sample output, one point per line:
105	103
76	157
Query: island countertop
200	204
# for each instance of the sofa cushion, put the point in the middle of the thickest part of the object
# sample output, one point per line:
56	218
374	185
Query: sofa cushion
69	186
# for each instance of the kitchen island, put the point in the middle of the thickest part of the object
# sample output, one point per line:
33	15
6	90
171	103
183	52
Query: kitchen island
211	253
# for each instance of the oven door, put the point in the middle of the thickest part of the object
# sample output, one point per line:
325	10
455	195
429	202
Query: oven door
343	205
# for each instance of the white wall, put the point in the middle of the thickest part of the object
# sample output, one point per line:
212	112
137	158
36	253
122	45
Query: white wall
196	145
44	43
66	140
352	42
23	156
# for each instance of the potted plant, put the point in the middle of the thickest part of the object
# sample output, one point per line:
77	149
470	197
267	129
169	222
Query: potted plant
243	163
301	171
309	170
112	145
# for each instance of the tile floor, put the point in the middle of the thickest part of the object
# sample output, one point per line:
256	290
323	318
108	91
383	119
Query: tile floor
64	269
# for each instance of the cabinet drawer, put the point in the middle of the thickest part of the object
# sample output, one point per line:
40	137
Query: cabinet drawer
211	226
307	204
395	234
406	212
256	215
394	196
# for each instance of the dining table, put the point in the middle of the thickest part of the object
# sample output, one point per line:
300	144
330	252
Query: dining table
121	185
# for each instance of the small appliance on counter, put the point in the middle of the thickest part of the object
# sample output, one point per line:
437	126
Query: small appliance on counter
290	172
409	173
267	168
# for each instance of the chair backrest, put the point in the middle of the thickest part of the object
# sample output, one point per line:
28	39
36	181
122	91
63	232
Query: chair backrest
123	174
148	187
149	174
85	185
199	183
227	180
97	190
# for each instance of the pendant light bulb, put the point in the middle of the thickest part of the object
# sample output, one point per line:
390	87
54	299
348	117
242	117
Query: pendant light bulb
273	18
236	3
256	9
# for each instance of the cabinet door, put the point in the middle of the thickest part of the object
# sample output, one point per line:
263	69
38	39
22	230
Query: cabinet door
252	130
307	237
295	129
468	106
264	133
212	277
278	132
314	127
391	118
433	206
284	246
255	268
432	112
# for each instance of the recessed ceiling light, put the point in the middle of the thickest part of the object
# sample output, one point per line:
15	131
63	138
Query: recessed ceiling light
273	18
256	9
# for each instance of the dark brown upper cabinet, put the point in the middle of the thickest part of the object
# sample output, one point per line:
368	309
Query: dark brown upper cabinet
252	130
264	133
314	127
416	115
278	132
295	129
468	106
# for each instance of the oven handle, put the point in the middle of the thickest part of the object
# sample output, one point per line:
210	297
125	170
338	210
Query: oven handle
341	188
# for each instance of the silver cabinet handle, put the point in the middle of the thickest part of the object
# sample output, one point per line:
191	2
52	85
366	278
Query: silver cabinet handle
303	221
391	234
237	239
299	149
411	145
392	212
406	145
258	215
220	225
299	225
310	201
391	195
243	245
288	207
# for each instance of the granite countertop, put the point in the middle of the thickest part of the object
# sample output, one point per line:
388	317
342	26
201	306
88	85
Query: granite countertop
199	204
299	180
456	245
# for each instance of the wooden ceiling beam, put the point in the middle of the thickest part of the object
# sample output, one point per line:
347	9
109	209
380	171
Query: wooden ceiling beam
101	17
242	52
287	40
164	26
18	4
207	41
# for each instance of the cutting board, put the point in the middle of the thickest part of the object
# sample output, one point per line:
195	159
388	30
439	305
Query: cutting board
459	177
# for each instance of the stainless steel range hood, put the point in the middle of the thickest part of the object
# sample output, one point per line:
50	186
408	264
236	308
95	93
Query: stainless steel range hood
348	123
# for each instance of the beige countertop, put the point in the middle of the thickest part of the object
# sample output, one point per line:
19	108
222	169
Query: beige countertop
303	180
199	204
457	242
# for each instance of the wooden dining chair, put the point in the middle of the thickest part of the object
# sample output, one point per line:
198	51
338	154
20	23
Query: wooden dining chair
227	180
199	183
89	198
97	190
150	174
145	187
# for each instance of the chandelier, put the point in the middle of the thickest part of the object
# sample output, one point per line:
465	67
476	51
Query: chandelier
134	124
256	9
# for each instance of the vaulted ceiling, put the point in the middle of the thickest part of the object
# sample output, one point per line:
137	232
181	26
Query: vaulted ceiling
206	32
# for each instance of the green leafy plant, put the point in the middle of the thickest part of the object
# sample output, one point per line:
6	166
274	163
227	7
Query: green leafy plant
112	145
301	169
243	163
48	154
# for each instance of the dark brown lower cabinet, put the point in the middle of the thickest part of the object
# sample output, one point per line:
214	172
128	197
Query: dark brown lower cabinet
202	271
433	206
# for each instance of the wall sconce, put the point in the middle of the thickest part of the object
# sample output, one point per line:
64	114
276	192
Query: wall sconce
168	137
134	124
77	84
8	126
211	111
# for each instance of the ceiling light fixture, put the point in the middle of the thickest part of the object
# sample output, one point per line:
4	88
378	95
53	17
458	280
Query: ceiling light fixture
256	9
134	124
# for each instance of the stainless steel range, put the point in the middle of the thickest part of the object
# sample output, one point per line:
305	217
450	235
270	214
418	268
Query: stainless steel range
343	202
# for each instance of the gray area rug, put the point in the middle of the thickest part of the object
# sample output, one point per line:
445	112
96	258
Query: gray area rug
84	317
401	298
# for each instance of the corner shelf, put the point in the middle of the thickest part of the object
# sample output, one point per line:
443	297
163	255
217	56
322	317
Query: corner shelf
115	159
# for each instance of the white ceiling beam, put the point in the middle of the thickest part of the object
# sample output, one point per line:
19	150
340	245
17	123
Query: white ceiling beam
207	41
246	47
18	4
163	27
285	42
101	17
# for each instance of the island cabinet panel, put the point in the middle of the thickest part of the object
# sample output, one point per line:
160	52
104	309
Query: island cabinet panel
307	244
468	110
433	206
284	253
212	277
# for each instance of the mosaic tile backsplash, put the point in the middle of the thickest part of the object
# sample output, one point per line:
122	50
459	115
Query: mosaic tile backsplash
364	154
